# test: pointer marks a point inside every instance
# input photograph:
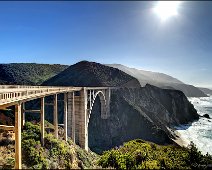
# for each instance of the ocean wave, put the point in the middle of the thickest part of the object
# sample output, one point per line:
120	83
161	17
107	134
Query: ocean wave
200	132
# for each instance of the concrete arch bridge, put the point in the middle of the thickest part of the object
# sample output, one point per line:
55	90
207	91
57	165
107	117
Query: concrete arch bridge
78	103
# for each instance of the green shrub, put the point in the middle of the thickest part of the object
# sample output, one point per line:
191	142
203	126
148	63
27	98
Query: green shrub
138	154
31	132
59	150
86	159
55	154
33	154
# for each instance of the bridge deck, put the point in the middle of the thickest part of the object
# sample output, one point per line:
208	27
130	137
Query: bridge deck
11	94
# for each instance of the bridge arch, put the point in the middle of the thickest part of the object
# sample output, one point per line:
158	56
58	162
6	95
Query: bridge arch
103	103
80	108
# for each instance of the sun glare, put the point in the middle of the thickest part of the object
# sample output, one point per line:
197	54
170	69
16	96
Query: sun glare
166	9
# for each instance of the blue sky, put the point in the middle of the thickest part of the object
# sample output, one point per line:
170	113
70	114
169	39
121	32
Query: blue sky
127	33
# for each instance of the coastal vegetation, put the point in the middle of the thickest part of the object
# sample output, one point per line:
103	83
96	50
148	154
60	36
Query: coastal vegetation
55	154
139	154
135	154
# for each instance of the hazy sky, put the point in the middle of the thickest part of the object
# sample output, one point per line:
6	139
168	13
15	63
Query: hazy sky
128	33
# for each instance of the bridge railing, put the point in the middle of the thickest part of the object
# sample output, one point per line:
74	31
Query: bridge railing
11	93
17	86
25	87
24	92
20	93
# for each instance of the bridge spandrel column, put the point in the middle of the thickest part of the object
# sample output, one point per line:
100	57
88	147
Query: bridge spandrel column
108	98
18	153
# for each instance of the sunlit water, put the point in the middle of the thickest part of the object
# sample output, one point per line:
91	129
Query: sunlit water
200	132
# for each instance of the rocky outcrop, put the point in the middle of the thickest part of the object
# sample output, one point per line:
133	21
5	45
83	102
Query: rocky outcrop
206	116
139	113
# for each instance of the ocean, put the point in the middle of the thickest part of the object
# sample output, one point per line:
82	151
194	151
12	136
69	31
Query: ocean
200	132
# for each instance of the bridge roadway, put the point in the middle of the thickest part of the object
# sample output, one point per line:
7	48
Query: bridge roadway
77	110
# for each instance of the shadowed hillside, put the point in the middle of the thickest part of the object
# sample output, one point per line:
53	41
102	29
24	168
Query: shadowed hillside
146	76
28	73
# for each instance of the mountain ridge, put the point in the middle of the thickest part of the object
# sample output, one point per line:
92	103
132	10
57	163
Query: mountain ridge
160	80
109	77
148	74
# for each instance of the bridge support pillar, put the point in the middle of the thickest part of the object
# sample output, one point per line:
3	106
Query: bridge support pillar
65	116
55	117
42	120
71	116
22	115
77	118
81	112
18	136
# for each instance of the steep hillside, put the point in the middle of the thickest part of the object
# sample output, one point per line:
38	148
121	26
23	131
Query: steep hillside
28	73
160	80
146	76
87	73
135	112
206	90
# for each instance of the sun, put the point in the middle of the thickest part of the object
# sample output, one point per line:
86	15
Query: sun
166	9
